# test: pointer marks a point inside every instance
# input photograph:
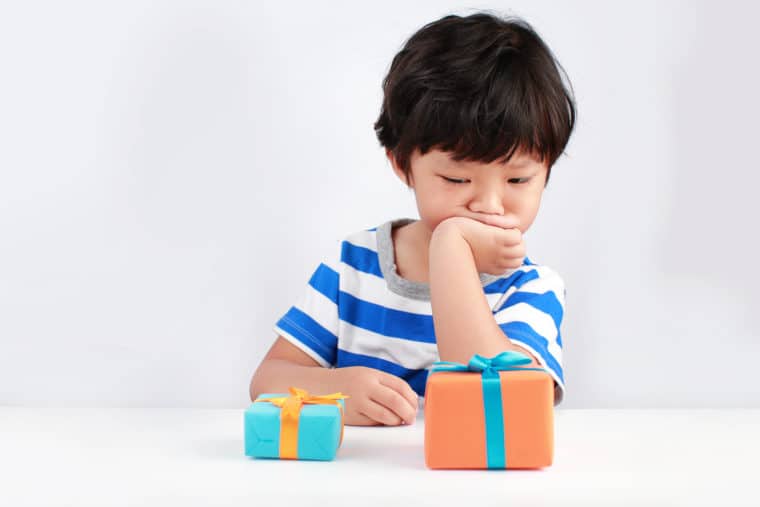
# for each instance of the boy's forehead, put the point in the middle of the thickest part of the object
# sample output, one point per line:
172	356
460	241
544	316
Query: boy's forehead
520	158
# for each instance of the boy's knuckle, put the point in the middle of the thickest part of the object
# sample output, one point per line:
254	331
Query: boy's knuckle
383	415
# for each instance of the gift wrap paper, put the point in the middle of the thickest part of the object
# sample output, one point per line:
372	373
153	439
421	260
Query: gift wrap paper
317	433
518	434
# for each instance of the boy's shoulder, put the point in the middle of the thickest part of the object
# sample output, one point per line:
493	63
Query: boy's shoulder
530	277
536	269
372	237
360	247
536	277
366	237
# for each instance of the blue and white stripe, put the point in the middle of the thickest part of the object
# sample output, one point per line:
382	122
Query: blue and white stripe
348	317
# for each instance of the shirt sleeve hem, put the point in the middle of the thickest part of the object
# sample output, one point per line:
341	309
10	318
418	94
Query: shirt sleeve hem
301	345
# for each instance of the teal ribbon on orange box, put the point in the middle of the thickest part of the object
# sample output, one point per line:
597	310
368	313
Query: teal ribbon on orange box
489	368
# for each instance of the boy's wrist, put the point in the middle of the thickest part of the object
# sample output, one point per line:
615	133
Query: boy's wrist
332	381
446	232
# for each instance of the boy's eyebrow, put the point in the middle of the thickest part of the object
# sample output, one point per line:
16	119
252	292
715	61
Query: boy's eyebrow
513	163
522	163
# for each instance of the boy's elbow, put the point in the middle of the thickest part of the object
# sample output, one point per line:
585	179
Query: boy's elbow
252	390
255	388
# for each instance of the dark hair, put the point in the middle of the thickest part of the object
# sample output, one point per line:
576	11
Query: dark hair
479	87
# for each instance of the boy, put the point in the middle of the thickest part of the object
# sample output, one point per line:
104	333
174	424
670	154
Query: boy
474	115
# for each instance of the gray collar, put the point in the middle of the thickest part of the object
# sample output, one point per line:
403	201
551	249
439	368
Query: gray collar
397	284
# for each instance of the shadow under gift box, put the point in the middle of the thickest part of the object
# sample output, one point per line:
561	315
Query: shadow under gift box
319	430
455	424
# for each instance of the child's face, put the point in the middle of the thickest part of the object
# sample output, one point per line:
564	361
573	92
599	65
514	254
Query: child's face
512	190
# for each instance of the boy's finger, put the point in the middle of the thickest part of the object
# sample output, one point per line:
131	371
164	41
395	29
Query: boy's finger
381	414
402	387
359	419
505	222
394	401
510	237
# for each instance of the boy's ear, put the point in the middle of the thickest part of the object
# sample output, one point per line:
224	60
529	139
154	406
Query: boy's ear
396	169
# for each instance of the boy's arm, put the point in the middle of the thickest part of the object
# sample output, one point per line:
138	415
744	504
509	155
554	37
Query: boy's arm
464	323
286	365
375	397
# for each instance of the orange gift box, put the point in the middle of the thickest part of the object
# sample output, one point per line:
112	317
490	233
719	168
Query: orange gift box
491	413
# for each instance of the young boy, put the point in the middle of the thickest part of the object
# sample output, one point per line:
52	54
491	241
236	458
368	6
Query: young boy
474	115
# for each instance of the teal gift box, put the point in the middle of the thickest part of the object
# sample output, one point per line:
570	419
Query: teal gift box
294	426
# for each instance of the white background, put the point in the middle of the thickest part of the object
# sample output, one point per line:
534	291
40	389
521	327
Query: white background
172	172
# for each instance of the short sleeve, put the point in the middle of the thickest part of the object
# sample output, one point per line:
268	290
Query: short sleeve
531	316
312	323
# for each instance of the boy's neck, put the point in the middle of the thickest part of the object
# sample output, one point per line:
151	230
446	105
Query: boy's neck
410	245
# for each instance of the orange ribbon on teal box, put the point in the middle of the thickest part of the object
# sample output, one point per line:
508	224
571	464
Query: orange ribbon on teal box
295	426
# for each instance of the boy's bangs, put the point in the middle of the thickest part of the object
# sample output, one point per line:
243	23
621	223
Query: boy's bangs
484	130
479	88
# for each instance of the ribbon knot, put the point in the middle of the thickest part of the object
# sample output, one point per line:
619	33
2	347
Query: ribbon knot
487	366
291	411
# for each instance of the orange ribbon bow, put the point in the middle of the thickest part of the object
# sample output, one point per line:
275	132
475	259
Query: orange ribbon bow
291	411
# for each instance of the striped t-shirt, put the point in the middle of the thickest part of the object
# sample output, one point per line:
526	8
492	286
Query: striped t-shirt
357	311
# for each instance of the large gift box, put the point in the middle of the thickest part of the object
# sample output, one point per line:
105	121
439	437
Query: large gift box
491	413
295	426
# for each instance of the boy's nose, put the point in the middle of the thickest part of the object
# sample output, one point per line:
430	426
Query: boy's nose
489	202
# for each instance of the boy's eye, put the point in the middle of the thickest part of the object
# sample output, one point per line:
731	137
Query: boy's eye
457	181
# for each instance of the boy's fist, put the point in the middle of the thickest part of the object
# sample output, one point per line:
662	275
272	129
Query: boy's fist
375	397
496	242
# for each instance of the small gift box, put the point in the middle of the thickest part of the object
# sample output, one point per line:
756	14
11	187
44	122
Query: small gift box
491	413
299	426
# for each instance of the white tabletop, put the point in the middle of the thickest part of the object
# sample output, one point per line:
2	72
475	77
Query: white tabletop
139	457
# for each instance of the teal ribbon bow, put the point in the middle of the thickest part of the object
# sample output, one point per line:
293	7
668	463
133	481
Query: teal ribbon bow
489	368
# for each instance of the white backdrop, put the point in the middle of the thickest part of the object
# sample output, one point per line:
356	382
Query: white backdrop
172	172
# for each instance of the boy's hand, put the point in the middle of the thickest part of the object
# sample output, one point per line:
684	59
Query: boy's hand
496	243
376	397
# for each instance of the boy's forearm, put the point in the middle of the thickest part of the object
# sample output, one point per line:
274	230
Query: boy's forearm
277	375
464	323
